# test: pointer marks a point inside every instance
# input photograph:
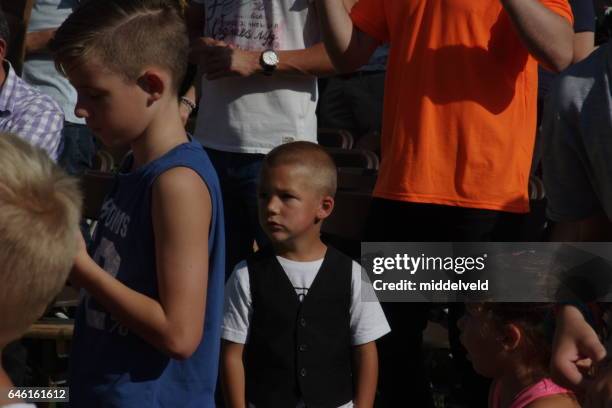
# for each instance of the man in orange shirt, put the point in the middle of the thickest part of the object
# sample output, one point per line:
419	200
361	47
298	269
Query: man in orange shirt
458	127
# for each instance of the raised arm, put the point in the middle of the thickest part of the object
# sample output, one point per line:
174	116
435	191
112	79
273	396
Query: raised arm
584	44
348	47
38	41
181	213
548	36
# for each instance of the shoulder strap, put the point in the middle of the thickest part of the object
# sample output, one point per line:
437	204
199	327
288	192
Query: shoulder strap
541	389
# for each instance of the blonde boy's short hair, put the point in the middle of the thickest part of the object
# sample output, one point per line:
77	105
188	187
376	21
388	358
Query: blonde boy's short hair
40	208
319	164
125	36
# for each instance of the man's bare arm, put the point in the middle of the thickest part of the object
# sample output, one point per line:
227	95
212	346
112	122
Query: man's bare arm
37	41
584	45
348	47
217	60
548	36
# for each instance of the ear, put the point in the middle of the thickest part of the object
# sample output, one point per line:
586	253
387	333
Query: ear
326	206
152	82
511	337
3	49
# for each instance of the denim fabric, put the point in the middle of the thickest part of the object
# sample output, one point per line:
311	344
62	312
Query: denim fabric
78	150
238	174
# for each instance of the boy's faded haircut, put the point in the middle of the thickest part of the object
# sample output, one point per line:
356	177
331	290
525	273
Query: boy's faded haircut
125	36
40	208
320	165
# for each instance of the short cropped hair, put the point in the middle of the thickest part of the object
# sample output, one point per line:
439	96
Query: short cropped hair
126	36
5	32
311	156
40	208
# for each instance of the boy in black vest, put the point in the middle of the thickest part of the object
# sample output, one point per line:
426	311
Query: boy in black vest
295	330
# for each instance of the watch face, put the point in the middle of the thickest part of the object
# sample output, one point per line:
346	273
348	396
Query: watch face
270	58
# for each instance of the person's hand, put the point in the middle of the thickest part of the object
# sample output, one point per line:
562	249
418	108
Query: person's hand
576	348
220	60
599	392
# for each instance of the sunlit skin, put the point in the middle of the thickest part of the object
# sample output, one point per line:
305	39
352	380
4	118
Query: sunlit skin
291	212
143	113
123	112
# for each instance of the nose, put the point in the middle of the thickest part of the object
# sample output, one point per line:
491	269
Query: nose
80	110
272	205
81	113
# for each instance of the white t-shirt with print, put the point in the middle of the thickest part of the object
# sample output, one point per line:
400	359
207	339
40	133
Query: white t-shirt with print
367	320
257	113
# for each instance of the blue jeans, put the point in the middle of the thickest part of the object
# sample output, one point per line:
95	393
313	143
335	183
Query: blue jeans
79	149
238	174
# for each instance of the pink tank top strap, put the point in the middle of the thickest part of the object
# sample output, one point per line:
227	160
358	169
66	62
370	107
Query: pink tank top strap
543	388
494	395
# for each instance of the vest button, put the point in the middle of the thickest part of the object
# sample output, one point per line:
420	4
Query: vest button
303	372
303	347
302	322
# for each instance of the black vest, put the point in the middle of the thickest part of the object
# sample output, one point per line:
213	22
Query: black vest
299	350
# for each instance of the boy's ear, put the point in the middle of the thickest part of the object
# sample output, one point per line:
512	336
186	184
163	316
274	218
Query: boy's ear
326	207
152	82
511	337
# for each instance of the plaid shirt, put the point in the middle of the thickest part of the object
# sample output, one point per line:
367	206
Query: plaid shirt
33	116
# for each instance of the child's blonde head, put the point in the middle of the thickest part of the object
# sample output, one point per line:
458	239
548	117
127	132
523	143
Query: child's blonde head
323	175
40	208
126	36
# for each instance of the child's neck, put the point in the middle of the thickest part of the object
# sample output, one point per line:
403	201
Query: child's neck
515	380
302	250
163	134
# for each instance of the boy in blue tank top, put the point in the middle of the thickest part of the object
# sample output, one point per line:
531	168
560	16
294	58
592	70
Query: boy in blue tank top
147	331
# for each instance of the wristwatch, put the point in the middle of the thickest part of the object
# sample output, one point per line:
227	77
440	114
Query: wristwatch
268	61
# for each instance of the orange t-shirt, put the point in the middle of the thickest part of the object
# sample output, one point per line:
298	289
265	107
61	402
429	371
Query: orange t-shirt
459	115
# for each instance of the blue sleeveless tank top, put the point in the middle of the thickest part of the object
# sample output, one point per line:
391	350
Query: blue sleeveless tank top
109	365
